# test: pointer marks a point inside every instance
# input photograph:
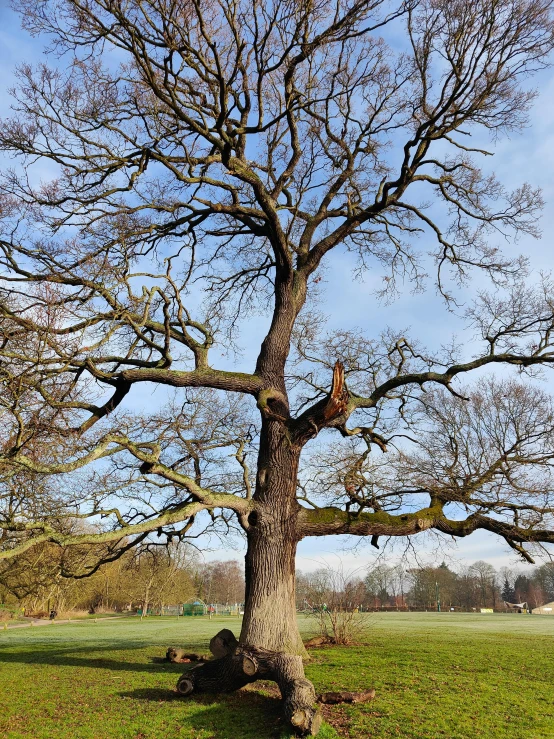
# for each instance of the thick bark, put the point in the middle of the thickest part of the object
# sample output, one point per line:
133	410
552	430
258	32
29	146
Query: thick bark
273	527
270	608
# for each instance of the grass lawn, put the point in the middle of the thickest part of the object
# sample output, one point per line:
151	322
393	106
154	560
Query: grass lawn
437	675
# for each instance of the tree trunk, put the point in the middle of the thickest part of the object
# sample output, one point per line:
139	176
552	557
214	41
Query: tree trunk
270	607
270	564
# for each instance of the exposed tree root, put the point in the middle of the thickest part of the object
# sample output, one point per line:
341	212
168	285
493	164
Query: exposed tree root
235	665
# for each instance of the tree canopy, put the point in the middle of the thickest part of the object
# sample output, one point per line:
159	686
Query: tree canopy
204	159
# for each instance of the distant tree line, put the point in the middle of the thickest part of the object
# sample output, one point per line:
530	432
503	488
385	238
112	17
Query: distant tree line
145	578
153	576
468	587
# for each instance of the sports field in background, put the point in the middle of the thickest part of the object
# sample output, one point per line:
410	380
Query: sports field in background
453	676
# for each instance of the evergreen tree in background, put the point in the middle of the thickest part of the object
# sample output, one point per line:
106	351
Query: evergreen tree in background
508	592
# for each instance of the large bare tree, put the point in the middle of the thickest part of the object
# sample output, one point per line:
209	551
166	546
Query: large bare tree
182	163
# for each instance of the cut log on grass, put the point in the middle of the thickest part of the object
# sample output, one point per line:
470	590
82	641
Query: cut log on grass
242	664
346	697
223	643
318	641
176	655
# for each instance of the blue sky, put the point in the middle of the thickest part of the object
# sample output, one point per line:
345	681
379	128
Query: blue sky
525	157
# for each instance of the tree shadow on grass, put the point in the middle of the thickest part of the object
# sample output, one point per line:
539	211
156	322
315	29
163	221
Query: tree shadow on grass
71	657
245	713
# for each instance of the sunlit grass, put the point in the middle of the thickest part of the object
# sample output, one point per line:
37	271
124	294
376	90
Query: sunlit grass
437	675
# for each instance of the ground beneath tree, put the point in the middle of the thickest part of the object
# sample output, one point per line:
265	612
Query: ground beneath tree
98	680
231	666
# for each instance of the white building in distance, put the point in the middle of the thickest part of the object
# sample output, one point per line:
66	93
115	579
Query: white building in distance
546	610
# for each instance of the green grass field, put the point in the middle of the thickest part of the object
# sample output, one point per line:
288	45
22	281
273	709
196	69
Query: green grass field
437	675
